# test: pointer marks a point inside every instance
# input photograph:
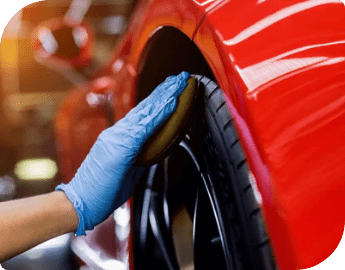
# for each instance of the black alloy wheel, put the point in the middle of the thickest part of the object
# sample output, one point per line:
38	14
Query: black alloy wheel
200	207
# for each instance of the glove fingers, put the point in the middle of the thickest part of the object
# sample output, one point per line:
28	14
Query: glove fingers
134	118
172	86
156	119
154	96
174	90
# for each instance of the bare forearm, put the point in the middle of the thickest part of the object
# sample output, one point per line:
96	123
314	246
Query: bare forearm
28	222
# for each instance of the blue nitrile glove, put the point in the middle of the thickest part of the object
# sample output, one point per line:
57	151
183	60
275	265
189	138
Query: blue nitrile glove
108	175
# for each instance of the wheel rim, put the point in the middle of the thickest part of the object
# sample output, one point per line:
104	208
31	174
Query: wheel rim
180	199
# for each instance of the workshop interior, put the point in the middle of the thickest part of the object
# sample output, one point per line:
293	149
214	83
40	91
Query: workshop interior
250	172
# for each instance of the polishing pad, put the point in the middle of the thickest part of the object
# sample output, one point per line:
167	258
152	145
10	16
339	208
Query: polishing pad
159	145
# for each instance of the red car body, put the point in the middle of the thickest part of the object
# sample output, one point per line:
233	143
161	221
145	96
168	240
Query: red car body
281	65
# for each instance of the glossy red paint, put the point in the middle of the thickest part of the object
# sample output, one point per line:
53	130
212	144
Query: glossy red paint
149	17
281	65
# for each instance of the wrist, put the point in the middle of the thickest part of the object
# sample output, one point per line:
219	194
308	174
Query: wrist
78	206
66	210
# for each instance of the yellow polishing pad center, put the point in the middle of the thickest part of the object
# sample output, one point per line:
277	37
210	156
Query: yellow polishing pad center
159	145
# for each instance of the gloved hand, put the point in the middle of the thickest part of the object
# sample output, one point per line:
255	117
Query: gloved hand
107	176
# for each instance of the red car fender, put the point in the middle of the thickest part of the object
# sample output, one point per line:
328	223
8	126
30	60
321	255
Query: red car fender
149	17
282	66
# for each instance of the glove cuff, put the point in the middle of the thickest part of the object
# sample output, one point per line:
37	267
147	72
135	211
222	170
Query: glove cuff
78	205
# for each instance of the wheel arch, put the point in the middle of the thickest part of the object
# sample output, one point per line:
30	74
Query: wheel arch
168	52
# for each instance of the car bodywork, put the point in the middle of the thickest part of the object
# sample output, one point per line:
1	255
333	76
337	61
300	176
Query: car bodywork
281	65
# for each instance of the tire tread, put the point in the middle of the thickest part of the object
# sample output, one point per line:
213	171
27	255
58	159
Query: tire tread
255	232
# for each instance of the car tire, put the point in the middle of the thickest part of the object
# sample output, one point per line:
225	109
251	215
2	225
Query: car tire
203	192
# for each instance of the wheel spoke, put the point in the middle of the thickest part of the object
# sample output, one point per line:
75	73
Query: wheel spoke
165	196
160	230
205	212
208	244
210	247
144	219
217	241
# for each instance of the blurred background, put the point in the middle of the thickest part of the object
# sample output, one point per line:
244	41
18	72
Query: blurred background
31	91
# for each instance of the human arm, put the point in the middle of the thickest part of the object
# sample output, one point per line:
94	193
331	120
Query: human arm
27	222
105	180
